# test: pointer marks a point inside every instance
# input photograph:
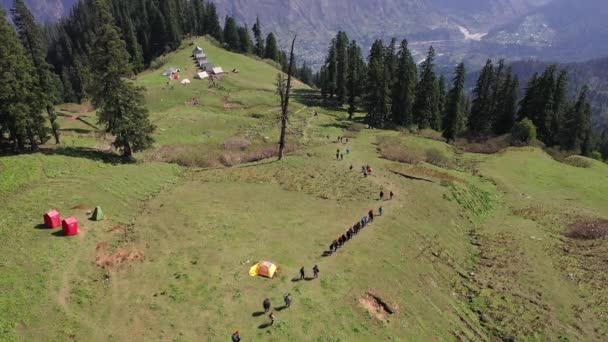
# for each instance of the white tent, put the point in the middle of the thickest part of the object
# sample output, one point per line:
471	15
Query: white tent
202	75
198	49
185	81
218	70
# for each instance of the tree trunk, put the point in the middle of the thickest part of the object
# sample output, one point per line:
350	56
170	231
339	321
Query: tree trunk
127	153
285	104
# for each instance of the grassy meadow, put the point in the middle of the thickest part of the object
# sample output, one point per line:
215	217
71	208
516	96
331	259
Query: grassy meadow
474	247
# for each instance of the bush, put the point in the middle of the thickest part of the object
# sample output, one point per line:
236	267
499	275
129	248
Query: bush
436	157
597	156
578	161
490	146
236	144
523	133
431	134
158	62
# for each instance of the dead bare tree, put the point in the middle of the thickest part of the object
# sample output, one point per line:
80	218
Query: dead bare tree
283	91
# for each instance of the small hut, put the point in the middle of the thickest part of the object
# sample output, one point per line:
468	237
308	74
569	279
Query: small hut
52	219
70	226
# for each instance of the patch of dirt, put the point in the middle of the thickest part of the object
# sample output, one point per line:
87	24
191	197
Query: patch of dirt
80	207
118	258
588	230
193	102
232	105
377	306
118	228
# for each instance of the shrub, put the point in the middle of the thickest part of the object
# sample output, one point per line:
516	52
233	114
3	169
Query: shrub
578	161
523	133
236	144
589	230
490	146
436	157
597	156
431	134
158	62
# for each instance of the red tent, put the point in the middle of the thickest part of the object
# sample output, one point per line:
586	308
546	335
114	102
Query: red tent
70	226
52	219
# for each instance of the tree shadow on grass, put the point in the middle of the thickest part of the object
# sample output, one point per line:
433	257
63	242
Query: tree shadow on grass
87	153
257	314
264	326
282	308
312	98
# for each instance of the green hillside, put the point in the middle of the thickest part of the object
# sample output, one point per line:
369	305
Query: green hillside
472	248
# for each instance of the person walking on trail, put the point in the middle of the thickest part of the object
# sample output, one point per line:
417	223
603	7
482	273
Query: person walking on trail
338	155
302	274
266	305
315	271
236	337
287	300
351	168
381	211
391	195
271	316
341	156
371	216
347	150
381	195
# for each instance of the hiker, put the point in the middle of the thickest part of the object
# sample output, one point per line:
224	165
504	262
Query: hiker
341	156
347	150
337	155
347	140
315	271
363	169
391	195
236	337
381	211
316	113
351	168
287	300
334	246
271	316
349	235
365	173
371	216
302	274
363	221
381	195
266	305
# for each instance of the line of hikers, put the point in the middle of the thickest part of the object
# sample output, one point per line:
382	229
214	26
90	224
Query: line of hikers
340	155
354	230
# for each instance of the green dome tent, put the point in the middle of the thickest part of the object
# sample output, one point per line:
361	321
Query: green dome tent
97	214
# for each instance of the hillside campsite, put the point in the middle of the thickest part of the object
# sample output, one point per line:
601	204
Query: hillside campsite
207	224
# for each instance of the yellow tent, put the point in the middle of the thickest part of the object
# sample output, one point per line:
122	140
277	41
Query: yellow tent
263	268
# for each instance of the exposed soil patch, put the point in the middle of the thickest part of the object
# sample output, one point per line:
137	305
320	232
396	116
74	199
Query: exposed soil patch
232	105
589	230
118	228
193	102
119	257
80	207
377	306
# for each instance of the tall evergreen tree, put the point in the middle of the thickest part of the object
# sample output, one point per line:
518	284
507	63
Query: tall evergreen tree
173	30
378	91
259	38
506	110
331	66
441	99
426	106
455	113
20	93
356	75
245	43
212	22
32	39
341	66
480	119
404	89
120	105
577	130
272	49
231	34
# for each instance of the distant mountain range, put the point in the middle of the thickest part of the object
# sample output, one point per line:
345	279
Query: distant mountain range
469	30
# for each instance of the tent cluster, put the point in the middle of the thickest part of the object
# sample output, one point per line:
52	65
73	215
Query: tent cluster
202	62
69	226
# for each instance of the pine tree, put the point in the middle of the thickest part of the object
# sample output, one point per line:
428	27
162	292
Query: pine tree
259	39
455	114
173	30
577	130
120	105
341	66
20	95
231	34
556	116
272	49
356	74
404	89
480	119
507	105
32	39
245	43
377	90
426	106
441	99
212	22
331	66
